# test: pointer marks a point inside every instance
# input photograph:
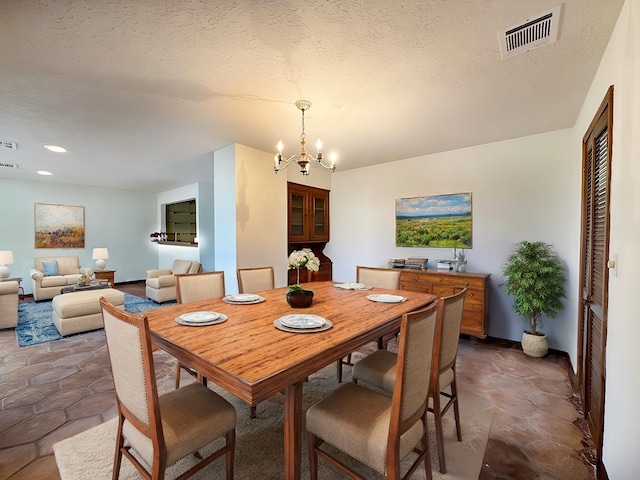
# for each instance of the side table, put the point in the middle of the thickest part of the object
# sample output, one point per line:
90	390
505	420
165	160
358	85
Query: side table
108	275
15	279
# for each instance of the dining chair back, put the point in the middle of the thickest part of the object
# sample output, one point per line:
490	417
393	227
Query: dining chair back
379	368
377	278
161	429
191	288
199	286
371	427
254	280
443	373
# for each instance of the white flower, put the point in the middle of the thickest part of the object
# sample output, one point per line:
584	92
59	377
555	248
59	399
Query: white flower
304	258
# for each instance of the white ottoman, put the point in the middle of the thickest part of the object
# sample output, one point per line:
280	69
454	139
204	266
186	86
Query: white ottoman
80	311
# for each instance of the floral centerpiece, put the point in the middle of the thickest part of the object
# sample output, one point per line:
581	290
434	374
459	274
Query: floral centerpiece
297	296
304	258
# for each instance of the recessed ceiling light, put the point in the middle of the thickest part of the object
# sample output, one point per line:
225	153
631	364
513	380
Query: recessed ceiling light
55	148
43	172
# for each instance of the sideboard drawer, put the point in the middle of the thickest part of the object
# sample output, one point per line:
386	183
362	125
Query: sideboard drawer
475	317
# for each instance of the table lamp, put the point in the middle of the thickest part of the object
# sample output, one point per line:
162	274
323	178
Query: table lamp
6	258
100	255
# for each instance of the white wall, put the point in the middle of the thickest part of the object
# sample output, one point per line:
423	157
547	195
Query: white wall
620	67
522	189
261	213
117	219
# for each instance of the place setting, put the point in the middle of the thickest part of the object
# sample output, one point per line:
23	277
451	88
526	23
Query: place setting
201	319
353	286
302	323
386	298
243	299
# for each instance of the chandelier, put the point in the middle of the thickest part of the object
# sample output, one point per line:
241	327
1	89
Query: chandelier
304	160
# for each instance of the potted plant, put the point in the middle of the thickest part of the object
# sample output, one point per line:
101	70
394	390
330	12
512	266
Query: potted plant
297	296
535	277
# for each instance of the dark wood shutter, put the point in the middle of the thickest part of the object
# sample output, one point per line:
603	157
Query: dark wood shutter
595	274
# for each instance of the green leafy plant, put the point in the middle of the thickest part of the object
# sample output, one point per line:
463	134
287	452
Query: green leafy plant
535	277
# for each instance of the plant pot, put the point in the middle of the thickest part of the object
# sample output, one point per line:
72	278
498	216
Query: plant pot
535	345
300	298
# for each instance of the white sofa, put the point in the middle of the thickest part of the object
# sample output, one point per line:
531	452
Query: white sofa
9	304
161	283
46	287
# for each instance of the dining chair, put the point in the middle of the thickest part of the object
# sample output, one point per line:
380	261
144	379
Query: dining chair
254	280
372	277
379	368
160	429
191	288
374	428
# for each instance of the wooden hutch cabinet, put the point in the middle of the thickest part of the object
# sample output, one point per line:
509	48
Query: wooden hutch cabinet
308	227
444	283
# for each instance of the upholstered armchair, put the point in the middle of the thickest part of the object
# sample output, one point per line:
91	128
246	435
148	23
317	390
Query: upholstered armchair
161	282
50	274
9	304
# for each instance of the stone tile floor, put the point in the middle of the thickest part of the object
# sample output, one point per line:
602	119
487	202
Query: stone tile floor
53	391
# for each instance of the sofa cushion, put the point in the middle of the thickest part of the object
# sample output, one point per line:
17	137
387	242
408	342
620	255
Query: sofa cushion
50	268
68	265
181	267
54	281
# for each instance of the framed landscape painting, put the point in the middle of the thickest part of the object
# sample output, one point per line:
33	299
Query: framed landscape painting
59	226
434	221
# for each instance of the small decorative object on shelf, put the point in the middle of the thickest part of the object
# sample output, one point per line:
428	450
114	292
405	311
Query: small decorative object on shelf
298	297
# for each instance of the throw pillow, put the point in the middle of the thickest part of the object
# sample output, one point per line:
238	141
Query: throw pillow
50	268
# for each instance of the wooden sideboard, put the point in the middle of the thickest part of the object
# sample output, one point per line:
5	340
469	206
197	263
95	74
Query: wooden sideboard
443	283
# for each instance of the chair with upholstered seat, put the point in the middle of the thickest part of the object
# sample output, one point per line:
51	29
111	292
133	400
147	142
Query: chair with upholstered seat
378	278
374	428
160	285
191	288
254	280
379	368
160	429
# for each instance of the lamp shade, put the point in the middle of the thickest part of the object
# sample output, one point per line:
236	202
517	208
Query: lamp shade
6	258
100	255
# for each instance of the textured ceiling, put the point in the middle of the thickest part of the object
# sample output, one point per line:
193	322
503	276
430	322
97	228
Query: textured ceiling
139	91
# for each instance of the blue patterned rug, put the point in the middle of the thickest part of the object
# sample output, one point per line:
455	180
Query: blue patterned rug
35	323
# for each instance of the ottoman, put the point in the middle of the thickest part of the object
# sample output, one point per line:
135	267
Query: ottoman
80	311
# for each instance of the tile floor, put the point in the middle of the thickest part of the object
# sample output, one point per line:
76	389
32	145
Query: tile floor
53	391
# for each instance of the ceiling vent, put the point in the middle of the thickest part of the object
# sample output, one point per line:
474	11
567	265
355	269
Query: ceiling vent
8	165
532	33
9	145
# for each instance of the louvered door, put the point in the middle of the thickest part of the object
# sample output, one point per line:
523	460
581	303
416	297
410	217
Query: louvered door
594	272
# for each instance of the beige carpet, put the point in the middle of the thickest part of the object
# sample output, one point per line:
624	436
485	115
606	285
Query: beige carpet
259	448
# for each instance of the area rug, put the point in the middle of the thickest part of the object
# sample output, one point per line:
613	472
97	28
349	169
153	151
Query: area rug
35	322
259	447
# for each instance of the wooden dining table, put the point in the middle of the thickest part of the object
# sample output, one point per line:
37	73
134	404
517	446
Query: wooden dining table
253	360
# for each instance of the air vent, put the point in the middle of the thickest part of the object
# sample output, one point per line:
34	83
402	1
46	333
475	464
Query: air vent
530	34
9	145
8	165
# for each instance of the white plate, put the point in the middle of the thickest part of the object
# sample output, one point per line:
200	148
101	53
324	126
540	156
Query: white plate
199	317
352	286
221	318
386	298
278	324
302	321
243	299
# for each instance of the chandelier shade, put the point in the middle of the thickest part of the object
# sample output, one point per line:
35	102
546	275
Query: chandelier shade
304	160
